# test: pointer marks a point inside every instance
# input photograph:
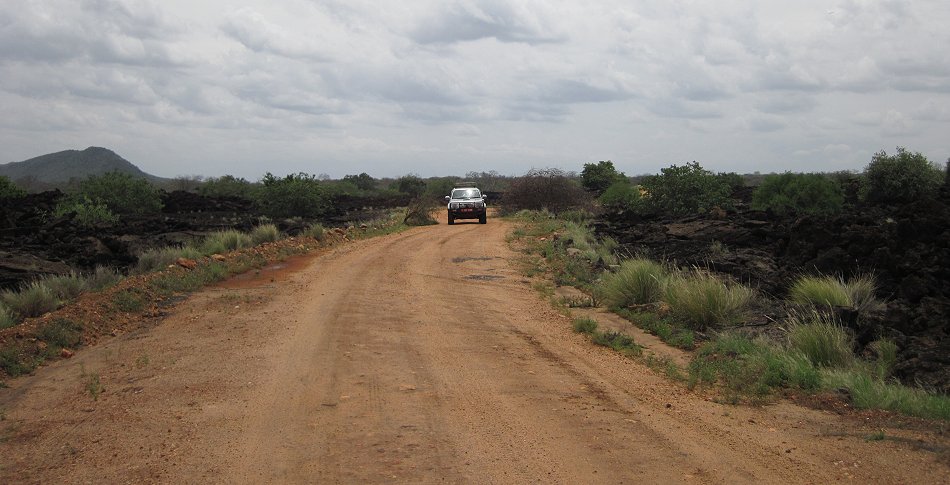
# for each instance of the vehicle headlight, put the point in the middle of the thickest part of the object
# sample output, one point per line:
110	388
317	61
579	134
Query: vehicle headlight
454	205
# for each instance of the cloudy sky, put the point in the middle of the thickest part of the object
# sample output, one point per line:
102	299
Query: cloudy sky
443	87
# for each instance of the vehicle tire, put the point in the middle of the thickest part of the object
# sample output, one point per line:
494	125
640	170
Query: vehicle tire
483	219
451	220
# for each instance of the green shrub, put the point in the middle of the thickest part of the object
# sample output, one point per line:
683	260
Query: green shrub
410	184
597	177
685	190
821	339
362	181
667	330
8	189
702	300
622	196
903	177
129	301
264	233
7	317
122	193
227	186
316	231
32	300
13	364
585	325
220	242
67	286
617	341
869	393
638	281
61	333
803	193
86	212
294	195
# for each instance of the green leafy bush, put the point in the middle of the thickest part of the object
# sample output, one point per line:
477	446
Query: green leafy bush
362	181
8	189
702	300
622	196
685	190
85	211
638	281
294	195
227	186
597	177
903	177
803	193
585	325
122	193
61	333
410	184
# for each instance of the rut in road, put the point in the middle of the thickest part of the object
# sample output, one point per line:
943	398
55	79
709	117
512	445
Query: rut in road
418	357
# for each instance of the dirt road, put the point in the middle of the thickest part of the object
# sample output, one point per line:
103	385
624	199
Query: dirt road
418	357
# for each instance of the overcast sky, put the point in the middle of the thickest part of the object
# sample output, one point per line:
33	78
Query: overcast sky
443	87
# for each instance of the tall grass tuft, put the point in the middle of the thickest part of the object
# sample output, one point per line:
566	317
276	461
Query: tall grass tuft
225	241
638	281
886	353
821	338
160	258
819	291
861	291
102	278
264	233
702	300
67	286
316	231
7	318
32	300
870	393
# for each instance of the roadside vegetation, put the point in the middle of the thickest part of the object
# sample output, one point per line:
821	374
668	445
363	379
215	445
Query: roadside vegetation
700	311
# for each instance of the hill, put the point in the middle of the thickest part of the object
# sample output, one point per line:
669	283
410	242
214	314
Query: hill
57	169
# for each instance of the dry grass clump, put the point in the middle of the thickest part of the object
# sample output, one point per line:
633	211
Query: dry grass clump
264	233
822	339
702	300
638	281
32	300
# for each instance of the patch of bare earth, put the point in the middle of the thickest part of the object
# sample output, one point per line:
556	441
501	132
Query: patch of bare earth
417	357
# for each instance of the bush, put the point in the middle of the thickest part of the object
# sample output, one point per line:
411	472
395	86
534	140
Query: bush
264	233
86	212
122	193
8	189
617	341
61	333
103	277
67	286
685	190
294	195
903	177
638	281
597	177
227	186
585	325
821	339
549	189
803	193
419	212
622	196
702	300
869	393
362	181
410	185
33	300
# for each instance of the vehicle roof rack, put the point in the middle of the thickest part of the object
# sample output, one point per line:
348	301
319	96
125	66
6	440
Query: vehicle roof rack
464	184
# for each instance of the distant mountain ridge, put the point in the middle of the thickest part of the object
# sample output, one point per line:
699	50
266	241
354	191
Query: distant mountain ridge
71	165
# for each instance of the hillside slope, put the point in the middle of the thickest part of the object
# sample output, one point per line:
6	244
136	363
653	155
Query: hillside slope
61	167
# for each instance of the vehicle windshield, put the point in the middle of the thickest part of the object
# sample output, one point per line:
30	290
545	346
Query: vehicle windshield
466	194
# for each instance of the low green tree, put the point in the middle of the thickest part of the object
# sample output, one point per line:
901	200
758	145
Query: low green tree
362	181
294	195
684	190
122	193
8	189
598	177
410	184
902	177
622	196
803	193
227	186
